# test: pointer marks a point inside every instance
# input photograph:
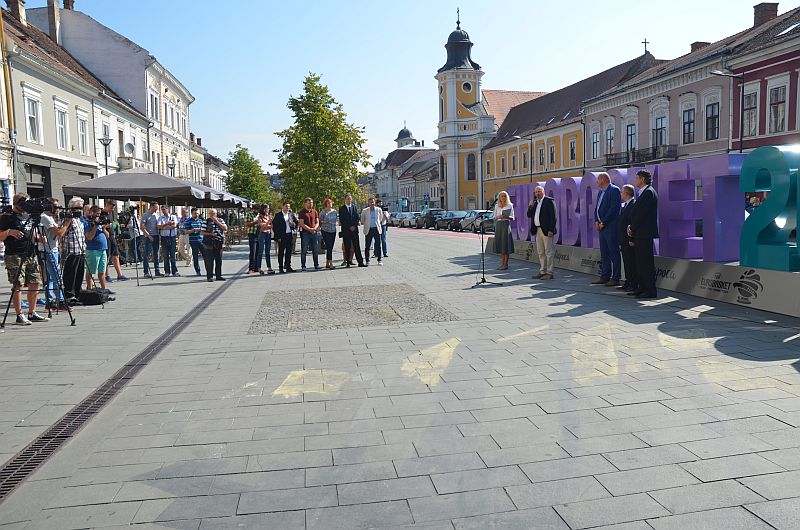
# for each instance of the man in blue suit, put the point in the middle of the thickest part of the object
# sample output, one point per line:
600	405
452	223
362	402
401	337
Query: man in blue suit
606	219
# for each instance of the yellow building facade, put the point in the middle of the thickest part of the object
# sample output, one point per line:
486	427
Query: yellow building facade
557	153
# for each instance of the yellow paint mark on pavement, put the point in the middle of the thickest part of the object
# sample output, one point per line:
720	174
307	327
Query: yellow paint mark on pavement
526	333
429	364
311	381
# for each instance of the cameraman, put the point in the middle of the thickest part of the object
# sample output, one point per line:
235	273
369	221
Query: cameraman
96	229
73	243
110	210
52	232
20	258
135	234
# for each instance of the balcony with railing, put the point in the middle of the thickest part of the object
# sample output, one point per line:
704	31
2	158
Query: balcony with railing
642	156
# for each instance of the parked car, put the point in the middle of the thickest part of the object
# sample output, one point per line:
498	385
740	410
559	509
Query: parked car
443	222
410	220
488	223
470	221
455	220
393	218
428	217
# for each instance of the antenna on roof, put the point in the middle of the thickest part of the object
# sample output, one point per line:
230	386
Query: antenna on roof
458	18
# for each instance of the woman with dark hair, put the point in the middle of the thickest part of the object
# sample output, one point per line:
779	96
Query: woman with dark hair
328	218
264	223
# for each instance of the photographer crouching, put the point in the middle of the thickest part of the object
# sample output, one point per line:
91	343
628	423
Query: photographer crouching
21	264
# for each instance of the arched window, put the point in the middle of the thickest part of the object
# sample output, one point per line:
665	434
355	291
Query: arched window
471	167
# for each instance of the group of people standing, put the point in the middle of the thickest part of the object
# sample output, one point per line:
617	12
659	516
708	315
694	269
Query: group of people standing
310	225
160	231
626	225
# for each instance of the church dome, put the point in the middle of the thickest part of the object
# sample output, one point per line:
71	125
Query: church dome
404	134
458	35
458	51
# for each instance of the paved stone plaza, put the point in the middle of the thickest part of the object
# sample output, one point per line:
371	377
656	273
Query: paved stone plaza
546	405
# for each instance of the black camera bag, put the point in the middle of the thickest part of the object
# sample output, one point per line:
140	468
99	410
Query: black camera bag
96	296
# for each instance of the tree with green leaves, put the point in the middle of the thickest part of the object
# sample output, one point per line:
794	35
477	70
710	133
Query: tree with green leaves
247	179
322	154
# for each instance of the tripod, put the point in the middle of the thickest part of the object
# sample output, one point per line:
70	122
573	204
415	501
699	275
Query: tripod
483	280
30	252
135	240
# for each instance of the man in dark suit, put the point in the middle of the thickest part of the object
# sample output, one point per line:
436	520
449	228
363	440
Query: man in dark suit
542	212
348	219
625	246
606	220
284	228
643	229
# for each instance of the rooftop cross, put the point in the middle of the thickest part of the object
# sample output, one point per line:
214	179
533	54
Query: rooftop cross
645	42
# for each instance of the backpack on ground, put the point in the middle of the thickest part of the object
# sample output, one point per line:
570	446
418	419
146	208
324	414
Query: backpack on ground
95	296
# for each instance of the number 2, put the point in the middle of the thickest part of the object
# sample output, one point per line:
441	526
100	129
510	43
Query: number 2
764	241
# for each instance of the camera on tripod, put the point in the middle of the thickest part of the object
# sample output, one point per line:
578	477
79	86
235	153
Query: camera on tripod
36	207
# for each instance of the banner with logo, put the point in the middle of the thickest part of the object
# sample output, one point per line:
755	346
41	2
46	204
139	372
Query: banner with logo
765	289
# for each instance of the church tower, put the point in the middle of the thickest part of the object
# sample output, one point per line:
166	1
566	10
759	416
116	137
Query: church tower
463	126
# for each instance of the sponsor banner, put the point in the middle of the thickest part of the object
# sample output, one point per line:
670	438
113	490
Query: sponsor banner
764	289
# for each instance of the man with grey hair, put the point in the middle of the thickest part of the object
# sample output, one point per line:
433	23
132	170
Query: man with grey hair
73	244
625	242
542	212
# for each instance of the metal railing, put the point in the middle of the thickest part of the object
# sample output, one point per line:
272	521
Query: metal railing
641	156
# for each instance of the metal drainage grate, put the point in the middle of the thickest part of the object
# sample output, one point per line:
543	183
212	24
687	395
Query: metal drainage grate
28	460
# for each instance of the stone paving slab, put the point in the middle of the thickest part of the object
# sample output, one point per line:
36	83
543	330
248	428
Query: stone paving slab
536	405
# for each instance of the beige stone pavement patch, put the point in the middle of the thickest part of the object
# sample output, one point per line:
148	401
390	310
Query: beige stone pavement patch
301	382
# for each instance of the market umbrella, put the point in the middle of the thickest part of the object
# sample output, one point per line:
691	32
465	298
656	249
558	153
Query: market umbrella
138	183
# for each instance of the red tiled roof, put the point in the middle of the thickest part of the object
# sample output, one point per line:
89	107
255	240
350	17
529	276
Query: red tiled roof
499	102
564	105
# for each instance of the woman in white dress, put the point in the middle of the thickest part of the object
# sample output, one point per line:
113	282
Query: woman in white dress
503	242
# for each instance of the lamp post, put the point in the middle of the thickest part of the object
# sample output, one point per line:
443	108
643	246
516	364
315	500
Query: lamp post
106	141
740	77
530	151
171	167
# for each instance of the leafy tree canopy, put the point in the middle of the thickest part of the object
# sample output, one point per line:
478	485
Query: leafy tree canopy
322	154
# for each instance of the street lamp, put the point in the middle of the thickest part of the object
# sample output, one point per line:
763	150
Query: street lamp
171	167
530	151
740	77
106	141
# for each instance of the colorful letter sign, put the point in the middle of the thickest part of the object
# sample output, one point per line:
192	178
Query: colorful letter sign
764	241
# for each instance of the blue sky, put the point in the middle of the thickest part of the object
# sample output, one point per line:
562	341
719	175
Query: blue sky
242	59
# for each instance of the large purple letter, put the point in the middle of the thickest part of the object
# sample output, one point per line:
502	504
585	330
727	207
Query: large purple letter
569	211
552	188
678	211
722	205
588	200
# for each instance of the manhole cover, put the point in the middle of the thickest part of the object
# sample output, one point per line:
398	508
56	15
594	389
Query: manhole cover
333	308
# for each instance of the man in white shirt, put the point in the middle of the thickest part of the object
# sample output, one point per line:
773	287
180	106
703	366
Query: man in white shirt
542	212
168	231
371	219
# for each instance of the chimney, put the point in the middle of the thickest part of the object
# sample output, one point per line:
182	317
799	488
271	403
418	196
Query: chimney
69	4
699	45
764	12
423	143
17	8
191	137
54	21
200	142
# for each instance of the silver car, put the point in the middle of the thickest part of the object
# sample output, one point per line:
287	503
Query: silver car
470	221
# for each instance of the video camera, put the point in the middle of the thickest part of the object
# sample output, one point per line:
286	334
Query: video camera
102	220
36	207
